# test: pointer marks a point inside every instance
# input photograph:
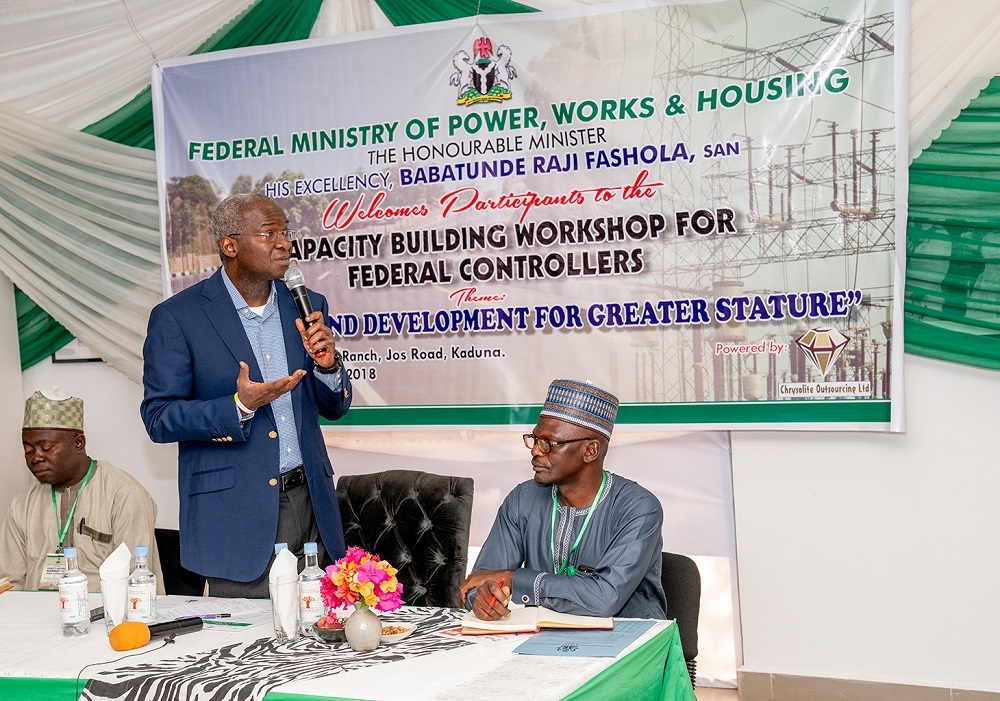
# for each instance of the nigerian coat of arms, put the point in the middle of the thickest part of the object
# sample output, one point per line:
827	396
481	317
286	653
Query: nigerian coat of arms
485	77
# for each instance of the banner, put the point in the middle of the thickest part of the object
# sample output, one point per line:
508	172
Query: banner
693	206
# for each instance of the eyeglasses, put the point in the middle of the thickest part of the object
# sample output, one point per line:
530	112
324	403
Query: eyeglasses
546	444
270	236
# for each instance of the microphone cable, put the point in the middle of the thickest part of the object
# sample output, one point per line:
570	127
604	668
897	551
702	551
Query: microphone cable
166	641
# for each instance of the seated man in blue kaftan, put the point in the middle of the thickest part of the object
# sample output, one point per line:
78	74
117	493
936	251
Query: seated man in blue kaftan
576	539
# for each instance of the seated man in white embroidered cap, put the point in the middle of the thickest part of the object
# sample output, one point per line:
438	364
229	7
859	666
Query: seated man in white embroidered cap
576	539
78	501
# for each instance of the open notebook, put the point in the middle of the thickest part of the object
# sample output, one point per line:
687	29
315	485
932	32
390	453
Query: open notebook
531	619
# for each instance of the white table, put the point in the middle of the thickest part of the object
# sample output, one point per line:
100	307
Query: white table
39	663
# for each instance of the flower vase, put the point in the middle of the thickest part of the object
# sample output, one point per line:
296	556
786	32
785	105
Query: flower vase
363	629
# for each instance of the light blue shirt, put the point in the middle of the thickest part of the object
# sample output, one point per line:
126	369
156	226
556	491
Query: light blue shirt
268	343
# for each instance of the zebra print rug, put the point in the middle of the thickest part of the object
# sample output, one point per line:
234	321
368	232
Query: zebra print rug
247	671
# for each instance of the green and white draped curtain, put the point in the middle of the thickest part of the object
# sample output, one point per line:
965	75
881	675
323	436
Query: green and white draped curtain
78	203
79	223
952	303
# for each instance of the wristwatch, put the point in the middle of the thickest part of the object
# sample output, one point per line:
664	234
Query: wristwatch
337	360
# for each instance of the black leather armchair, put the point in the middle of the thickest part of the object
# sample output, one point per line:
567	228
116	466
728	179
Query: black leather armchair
682	586
417	521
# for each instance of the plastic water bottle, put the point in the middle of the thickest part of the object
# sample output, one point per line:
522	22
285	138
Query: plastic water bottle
278	547
310	601
141	601
73	601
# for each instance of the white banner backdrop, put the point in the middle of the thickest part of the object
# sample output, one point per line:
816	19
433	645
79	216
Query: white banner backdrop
694	205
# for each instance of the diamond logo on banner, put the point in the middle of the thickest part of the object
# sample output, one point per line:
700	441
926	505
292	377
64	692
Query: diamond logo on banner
822	347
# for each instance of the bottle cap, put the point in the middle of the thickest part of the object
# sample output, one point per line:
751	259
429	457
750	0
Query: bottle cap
278	547
310	549
141	551
70	552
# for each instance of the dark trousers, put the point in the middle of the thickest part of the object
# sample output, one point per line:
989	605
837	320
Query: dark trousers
296	526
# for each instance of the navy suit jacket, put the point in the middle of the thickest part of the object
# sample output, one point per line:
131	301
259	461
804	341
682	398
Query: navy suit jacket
228	504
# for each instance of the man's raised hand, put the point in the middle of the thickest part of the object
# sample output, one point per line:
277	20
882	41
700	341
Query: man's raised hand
254	395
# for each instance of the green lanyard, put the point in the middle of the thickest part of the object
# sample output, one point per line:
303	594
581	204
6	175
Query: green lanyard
64	529
566	567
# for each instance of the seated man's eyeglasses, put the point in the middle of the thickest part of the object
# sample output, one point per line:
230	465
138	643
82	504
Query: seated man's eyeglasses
269	236
546	444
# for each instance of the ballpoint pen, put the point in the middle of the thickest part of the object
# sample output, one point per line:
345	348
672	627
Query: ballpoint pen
493	600
228	623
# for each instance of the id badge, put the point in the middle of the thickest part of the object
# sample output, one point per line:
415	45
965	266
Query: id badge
55	567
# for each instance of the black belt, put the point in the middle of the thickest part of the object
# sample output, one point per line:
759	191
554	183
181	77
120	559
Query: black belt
293	478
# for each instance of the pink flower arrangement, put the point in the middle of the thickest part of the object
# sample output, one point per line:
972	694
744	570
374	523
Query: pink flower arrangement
361	578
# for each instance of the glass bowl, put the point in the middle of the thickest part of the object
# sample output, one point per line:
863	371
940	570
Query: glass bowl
330	635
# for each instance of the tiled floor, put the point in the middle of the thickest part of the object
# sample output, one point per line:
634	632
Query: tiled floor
705	693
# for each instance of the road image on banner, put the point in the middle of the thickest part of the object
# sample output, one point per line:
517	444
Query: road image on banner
692	206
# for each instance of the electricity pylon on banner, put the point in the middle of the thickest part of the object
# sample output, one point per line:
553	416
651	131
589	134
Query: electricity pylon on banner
788	219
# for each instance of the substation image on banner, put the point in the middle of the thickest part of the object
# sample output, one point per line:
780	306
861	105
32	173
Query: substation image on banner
693	206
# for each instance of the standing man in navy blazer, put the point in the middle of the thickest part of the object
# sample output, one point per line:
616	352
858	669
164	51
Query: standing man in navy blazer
233	375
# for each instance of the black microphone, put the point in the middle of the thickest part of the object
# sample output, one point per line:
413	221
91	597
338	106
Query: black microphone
176	627
135	634
296	283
